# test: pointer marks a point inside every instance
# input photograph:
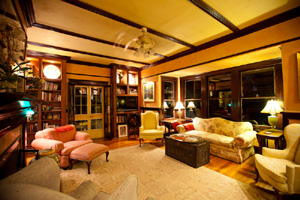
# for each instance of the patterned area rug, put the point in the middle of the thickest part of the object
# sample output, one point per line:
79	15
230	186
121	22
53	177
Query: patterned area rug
159	176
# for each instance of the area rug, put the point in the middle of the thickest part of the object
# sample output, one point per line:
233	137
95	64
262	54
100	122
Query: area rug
159	176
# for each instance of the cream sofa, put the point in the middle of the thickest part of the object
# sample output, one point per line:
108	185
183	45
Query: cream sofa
41	180
229	140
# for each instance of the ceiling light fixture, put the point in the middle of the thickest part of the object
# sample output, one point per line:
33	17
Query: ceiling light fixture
144	45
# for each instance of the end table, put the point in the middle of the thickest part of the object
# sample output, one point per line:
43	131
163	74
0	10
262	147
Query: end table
262	136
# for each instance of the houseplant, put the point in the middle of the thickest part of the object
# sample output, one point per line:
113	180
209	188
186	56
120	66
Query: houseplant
12	48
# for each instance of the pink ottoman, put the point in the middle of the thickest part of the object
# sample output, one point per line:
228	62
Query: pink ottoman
87	153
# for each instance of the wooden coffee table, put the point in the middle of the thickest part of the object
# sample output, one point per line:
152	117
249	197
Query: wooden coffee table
193	154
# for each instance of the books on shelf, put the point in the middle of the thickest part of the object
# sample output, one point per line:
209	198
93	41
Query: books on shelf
51	96
32	128
47	125
50	86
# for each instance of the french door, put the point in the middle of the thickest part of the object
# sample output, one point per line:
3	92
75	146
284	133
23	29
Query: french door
89	107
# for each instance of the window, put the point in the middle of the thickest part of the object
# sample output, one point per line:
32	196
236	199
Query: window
220	96
169	96
192	95
258	86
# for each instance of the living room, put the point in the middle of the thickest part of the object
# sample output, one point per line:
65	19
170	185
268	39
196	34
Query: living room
228	59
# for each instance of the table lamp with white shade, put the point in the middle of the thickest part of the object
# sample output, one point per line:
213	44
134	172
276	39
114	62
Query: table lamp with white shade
191	105
178	107
166	105
273	108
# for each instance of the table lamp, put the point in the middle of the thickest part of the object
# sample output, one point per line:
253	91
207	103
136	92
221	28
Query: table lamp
191	105
273	108
166	105
179	106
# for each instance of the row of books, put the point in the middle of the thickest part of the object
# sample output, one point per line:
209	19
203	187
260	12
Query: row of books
50	86
121	118
51	96
46	125
32	128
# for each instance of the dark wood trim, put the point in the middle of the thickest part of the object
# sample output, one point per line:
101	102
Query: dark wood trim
48	55
236	95
83	52
88	75
9	15
204	97
88	82
28	12
246	31
289	115
78	62
124	21
215	14
124	67
58	30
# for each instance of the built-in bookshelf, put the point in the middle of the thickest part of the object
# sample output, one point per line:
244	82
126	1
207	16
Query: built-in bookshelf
49	113
126	94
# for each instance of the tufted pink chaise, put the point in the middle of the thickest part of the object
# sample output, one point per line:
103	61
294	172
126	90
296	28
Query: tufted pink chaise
63	139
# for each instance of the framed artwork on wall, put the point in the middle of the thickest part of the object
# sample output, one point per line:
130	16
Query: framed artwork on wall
122	130
149	91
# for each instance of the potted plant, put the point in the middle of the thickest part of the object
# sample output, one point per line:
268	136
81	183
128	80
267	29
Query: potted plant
12	48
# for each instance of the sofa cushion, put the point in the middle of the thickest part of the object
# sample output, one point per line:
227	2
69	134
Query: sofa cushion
219	140
189	126
71	145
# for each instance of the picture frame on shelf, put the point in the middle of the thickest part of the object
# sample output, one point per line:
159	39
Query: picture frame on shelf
122	130
149	92
56	116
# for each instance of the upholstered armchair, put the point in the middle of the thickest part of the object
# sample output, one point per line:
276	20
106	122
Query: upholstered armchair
63	139
150	128
281	168
41	180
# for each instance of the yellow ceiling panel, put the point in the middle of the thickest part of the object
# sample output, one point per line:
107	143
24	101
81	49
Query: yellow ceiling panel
180	18
243	13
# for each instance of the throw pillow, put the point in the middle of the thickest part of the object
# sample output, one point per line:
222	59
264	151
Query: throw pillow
188	126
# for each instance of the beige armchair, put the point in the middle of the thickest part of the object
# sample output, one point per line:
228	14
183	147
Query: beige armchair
281	168
150	128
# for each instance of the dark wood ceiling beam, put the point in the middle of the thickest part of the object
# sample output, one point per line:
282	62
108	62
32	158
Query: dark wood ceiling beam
248	30
124	21
83	52
215	14
28	12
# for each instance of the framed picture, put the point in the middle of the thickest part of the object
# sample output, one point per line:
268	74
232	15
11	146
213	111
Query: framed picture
56	116
148	89
122	130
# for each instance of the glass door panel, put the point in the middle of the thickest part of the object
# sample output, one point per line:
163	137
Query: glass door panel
89	110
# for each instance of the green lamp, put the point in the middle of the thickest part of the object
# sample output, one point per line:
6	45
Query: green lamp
273	108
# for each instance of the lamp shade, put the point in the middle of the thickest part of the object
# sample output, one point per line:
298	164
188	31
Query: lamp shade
191	105
272	107
166	105
179	106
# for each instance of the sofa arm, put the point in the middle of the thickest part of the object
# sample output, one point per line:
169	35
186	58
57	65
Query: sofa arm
81	136
43	172
42	143
245	140
85	191
293	178
180	128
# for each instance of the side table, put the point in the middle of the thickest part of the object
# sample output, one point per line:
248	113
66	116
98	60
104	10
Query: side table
262	138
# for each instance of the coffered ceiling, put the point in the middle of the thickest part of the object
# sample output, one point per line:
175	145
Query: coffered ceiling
103	31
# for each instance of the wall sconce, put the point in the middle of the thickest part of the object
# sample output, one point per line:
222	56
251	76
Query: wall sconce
273	108
191	105
179	106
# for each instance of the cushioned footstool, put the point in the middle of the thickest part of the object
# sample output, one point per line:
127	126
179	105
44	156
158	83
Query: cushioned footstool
87	153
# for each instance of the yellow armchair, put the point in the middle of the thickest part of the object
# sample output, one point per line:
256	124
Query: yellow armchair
150	128
281	168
